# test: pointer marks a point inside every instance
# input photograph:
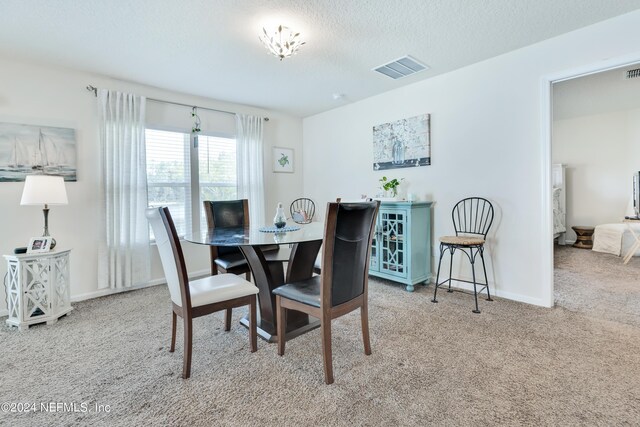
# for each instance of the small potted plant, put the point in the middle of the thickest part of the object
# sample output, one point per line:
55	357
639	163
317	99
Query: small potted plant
390	185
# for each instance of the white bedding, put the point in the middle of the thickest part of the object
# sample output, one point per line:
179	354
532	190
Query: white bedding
615	239
558	202
558	213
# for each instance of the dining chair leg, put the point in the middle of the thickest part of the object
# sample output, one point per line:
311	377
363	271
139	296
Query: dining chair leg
364	315
486	280
227	319
188	340
253	324
280	320
173	331
326	348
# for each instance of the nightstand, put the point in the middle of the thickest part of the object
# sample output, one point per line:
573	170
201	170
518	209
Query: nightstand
37	288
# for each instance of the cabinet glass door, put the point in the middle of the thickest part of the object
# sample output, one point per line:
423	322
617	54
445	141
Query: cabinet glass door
60	284
36	289
392	242
373	260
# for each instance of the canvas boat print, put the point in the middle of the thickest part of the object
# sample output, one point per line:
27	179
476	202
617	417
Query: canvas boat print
29	149
402	144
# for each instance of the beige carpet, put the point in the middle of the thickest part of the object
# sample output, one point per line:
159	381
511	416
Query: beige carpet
432	364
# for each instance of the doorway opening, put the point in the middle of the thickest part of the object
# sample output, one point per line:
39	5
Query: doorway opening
591	119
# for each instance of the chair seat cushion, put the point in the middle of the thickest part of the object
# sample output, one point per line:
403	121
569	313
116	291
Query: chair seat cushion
305	291
462	240
231	260
221	287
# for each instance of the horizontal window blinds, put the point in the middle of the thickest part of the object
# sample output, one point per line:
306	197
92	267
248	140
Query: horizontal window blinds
217	170
169	174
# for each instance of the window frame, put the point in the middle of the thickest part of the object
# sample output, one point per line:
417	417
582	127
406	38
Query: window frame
194	170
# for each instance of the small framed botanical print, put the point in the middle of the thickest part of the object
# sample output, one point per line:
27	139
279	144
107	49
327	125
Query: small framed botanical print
283	159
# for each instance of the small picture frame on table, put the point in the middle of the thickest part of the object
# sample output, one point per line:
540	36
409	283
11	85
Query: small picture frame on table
39	245
283	159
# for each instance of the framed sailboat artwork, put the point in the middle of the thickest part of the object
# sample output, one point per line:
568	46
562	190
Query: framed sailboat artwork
44	150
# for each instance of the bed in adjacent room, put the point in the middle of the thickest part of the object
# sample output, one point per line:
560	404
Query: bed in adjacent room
559	203
618	239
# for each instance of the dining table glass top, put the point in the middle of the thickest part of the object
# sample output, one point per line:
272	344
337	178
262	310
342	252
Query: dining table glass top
252	236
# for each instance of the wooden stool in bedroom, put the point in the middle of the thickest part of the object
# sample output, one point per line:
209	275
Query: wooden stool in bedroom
584	236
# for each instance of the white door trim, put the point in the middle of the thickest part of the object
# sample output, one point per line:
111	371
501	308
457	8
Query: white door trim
546	128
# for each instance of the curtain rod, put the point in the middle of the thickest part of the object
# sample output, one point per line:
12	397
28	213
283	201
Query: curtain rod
95	92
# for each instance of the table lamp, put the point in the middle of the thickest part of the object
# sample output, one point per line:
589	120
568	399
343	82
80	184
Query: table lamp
44	190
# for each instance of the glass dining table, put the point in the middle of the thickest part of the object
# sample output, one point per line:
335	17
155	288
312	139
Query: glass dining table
268	268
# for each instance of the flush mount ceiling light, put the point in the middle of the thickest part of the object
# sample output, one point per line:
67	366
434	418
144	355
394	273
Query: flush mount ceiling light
282	42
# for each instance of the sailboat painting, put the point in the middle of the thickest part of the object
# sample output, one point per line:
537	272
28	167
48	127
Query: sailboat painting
43	150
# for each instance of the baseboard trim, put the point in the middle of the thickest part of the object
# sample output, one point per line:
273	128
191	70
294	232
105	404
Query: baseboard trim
500	294
153	282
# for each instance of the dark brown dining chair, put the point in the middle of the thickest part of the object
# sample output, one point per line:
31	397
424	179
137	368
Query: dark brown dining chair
229	259
302	210
191	299
472	219
223	214
342	285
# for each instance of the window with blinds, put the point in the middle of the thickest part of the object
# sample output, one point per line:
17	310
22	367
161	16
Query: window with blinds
175	182
216	170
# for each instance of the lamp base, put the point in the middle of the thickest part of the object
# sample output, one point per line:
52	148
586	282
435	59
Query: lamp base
45	233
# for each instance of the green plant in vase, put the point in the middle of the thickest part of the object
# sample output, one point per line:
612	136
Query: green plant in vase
390	185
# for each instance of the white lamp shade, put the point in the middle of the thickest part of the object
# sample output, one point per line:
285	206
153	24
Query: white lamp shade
44	190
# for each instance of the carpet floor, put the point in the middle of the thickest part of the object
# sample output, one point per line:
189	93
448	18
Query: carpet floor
432	364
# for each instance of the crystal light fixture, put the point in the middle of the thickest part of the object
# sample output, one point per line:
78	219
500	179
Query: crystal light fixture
283	42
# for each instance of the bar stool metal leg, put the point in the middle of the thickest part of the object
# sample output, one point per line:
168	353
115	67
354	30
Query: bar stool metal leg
435	290
486	280
472	259
451	250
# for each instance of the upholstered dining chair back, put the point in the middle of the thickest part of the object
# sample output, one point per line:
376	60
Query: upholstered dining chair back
170	255
473	215
227	213
347	243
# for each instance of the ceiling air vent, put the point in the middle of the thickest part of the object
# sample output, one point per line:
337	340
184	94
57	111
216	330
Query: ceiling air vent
632	74
401	67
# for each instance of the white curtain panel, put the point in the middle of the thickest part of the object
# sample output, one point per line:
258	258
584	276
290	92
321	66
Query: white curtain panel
124	244
249	154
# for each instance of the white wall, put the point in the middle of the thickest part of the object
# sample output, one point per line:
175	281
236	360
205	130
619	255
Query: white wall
38	94
599	153
486	141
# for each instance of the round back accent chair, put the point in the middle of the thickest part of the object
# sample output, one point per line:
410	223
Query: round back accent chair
472	219
302	210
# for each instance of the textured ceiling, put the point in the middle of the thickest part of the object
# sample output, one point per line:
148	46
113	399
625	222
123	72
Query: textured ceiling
210	47
600	93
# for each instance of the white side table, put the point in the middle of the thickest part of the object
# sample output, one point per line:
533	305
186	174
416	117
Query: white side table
37	288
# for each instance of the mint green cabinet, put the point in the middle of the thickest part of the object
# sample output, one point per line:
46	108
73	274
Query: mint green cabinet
401	249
